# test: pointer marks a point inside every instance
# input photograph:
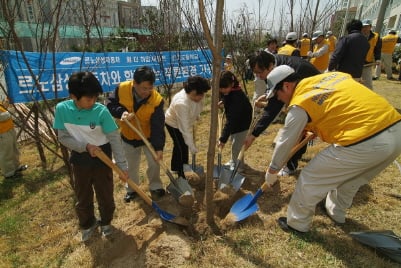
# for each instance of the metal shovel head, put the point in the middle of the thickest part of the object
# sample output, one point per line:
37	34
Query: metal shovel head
182	192
385	242
226	178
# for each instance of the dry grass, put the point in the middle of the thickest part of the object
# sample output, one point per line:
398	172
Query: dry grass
38	226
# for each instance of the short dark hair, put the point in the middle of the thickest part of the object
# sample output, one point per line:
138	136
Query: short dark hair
294	77
144	73
354	25
227	78
271	41
263	60
84	84
197	83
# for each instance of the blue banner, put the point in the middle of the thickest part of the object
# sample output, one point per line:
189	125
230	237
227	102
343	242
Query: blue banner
28	71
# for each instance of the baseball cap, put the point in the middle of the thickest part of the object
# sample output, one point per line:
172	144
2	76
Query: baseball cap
392	31
229	56
329	33
366	22
291	36
305	35
277	75
316	34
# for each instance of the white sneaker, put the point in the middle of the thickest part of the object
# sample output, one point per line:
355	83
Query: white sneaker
87	233
285	172
106	230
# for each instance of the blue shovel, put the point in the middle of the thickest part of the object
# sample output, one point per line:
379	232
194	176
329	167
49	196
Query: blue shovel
163	214
247	206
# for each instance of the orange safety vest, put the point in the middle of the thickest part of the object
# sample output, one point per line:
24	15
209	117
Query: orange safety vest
126	97
286	50
304	46
372	44
6	125
322	62
388	43
331	105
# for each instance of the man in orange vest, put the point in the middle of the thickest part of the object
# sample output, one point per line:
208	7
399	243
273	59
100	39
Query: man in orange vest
388	45
373	55
332	40
290	48
139	97
320	55
304	45
9	153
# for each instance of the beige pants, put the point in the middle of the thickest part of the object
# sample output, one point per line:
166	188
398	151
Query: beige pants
9	153
133	155
337	173
387	61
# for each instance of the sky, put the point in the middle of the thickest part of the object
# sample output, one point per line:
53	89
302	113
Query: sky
267	13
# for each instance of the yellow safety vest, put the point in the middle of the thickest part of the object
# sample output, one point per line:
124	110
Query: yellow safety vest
126	97
286	50
372	44
388	43
6	125
342	111
304	46
322	62
332	40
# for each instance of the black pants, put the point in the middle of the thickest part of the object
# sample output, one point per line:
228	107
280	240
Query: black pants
292	164
180	151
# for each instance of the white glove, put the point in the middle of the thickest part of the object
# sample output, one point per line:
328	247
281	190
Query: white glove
309	54
378	62
270	178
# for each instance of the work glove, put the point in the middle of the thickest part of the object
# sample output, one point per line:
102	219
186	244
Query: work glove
270	178
193	150
378	62
309	54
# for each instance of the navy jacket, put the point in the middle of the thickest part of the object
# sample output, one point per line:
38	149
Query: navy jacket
349	55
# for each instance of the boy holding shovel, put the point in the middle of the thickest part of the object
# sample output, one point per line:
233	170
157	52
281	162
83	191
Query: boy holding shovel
86	126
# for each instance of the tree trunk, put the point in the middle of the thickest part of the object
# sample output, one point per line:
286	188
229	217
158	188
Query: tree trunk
215	44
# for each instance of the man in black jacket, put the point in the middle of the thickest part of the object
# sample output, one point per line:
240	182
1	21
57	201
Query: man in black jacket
349	55
262	65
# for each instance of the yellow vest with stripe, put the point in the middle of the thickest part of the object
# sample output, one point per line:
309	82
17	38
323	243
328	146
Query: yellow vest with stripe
372	44
388	43
342	111
6	125
126	97
286	50
304	46
322	62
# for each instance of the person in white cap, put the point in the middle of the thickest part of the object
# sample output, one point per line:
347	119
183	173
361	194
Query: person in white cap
304	45
290	48
374	53
228	64
353	122
388	44
320	55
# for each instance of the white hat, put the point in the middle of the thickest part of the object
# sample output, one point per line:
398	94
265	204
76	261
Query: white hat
316	34
229	56
366	22
305	35
329	33
291	36
277	75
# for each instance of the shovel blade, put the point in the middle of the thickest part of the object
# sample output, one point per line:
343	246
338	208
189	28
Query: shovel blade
224	178
247	212
237	181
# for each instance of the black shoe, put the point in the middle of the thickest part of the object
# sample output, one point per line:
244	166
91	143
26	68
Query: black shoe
130	196
158	193
282	222
21	168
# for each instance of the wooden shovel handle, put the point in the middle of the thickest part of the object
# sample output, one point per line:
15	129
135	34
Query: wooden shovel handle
105	159
308	136
150	147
